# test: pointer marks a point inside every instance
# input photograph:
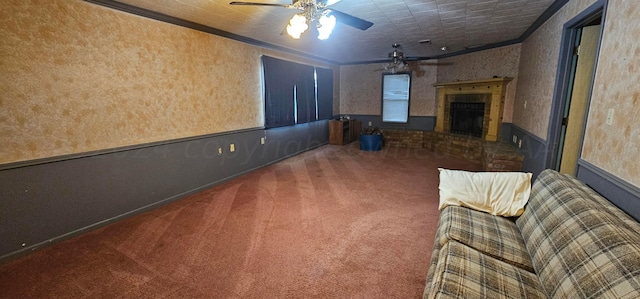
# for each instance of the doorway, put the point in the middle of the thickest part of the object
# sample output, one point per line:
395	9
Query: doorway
577	65
575	107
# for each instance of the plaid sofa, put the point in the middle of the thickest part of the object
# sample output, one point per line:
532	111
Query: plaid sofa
569	243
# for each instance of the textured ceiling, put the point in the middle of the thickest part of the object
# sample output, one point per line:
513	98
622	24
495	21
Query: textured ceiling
457	24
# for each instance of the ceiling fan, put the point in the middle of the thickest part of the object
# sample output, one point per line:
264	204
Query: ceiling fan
311	11
400	63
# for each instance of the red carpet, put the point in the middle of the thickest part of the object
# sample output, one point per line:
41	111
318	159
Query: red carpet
334	222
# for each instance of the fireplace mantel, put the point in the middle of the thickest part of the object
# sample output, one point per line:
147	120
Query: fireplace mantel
495	87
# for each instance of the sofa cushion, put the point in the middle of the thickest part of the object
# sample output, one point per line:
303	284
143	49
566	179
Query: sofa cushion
493	235
497	193
616	212
496	236
578	248
463	272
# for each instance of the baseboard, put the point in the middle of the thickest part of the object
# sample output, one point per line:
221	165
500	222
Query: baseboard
621	193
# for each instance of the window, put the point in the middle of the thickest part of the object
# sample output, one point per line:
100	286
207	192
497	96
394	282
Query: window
295	93
395	97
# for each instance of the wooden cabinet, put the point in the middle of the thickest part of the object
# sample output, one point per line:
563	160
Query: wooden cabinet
342	132
355	128
339	132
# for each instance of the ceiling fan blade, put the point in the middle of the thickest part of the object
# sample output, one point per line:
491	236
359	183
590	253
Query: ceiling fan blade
327	2
261	4
350	20
424	61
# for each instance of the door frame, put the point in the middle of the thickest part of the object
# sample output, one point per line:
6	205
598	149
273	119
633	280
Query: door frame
564	74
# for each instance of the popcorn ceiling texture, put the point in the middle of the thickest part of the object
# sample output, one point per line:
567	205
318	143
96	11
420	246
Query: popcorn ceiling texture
361	90
78	77
615	148
501	62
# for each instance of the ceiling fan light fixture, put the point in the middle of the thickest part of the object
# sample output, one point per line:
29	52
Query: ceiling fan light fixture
325	26
397	63
297	26
314	12
395	67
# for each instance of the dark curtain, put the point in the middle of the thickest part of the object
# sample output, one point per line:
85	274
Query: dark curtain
306	94
325	93
281	77
278	92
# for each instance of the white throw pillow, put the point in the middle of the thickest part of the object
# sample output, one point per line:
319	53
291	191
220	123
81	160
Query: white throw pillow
497	193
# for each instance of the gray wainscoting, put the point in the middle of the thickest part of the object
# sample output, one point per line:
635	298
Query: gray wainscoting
617	191
532	147
505	132
48	200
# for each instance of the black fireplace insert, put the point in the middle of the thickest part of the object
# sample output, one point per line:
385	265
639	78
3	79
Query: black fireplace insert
467	118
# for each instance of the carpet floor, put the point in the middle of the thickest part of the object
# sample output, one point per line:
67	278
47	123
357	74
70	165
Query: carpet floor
333	222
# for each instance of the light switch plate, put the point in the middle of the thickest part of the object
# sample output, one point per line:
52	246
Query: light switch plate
609	120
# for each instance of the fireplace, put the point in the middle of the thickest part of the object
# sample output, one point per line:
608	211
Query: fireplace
471	108
467	118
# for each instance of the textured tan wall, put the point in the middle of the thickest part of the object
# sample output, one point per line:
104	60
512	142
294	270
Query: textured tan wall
501	62
616	148
77	77
538	68
423	93
613	148
361	90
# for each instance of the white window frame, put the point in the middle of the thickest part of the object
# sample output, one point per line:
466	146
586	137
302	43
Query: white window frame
396	94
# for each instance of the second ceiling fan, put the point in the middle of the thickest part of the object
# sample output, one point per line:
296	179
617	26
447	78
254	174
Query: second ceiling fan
400	63
314	11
